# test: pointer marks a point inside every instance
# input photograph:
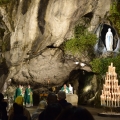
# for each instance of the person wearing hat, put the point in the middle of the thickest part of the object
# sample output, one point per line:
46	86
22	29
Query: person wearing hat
18	111
42	105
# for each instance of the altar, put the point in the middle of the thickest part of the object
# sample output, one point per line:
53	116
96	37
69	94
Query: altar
72	98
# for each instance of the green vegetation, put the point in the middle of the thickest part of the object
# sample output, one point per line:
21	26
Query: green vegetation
4	2
100	65
82	41
115	15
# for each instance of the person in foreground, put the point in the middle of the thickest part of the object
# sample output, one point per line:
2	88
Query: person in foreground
75	113
42	105
62	100
3	108
17	111
52	106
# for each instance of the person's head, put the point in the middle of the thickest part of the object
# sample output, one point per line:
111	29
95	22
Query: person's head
19	100
18	109
52	98
64	86
61	95
1	97
52	111
28	85
69	85
75	113
19	85
42	105
53	89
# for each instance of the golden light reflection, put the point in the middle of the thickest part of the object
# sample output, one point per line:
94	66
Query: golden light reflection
87	88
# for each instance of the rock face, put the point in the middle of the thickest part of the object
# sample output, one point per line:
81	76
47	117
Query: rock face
34	32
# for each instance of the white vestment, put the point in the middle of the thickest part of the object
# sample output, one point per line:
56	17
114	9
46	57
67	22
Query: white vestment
71	89
109	40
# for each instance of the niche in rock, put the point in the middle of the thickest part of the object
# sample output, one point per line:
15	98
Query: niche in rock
103	34
100	47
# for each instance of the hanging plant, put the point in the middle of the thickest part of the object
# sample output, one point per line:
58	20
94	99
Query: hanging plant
115	15
4	2
100	65
82	41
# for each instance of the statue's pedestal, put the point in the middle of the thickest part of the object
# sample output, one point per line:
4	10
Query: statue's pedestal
72	98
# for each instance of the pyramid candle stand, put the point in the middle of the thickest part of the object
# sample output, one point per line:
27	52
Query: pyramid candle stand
110	96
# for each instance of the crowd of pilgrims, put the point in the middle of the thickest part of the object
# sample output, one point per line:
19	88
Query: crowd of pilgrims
54	107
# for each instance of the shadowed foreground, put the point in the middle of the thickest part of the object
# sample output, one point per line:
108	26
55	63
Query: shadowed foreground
93	111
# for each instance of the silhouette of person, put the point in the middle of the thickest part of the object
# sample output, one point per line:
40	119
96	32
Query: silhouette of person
75	113
3	108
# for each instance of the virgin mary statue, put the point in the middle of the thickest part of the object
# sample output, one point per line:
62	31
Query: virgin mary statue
109	40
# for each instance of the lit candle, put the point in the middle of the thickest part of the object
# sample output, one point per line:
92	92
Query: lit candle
113	69
102	91
115	102
106	82
111	64
115	95
118	101
110	96
106	76
109	69
109	89
117	89
48	81
101	99
107	101
114	77
104	88
112	102
116	83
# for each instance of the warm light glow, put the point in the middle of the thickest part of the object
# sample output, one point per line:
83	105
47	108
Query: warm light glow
82	64
76	63
9	80
48	81
87	88
110	96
